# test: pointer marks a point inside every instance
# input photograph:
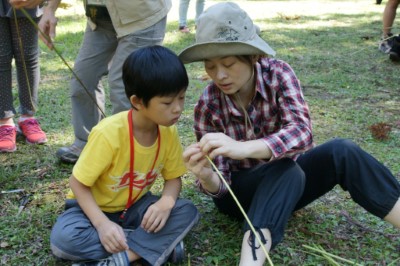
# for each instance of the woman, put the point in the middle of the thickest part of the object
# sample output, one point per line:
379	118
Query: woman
253	122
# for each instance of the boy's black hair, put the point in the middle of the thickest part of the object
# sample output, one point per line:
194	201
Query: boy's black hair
153	71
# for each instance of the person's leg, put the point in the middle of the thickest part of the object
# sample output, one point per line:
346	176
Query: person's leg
74	238
126	45
27	64
7	111
183	10
342	162
91	65
389	14
28	75
268	194
199	8
393	216
183	217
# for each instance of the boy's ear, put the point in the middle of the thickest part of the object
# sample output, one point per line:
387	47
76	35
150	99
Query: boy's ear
136	102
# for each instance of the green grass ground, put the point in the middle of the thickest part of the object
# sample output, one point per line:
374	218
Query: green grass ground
348	83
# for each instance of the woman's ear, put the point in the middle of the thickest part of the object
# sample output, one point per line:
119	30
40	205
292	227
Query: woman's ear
136	102
255	58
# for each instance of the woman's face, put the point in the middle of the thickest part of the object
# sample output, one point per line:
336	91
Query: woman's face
229	73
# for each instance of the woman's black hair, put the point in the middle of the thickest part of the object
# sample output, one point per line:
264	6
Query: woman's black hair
153	71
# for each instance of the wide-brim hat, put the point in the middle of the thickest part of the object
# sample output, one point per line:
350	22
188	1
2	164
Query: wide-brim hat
224	29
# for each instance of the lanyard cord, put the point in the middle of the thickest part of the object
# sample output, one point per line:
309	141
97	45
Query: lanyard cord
132	164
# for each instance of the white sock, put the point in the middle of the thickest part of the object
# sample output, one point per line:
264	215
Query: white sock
7	123
21	119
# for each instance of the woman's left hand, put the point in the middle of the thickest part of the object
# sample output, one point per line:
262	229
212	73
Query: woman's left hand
215	144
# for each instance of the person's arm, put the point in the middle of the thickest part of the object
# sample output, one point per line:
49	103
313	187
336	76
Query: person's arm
157	214
111	235
48	23
295	133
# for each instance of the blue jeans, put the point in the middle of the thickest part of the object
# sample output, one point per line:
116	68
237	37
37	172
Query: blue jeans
183	10
101	54
73	236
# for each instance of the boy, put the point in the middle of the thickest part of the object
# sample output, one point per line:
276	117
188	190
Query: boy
111	218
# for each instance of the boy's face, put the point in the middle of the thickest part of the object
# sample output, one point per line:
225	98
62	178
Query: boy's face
165	110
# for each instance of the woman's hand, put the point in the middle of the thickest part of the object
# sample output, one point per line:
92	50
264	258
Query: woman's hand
215	144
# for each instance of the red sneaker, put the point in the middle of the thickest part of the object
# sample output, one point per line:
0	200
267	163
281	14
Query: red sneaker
31	130
8	136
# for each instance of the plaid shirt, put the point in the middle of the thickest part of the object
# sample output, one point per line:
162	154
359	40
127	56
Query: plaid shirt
278	113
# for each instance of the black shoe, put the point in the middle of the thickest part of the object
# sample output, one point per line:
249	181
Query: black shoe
394	53
178	254
69	154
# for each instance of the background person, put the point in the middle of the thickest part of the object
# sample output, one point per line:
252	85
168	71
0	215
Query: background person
183	10
390	44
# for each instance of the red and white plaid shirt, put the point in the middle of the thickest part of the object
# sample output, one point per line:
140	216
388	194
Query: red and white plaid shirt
278	113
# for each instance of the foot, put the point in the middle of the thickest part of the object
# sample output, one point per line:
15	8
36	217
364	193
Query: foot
120	259
69	154
30	128
386	43
178	254
184	29
394	53
8	136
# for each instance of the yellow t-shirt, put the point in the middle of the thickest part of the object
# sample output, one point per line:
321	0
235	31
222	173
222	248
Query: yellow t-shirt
104	162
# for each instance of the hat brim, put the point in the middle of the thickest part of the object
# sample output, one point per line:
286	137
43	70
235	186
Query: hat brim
201	51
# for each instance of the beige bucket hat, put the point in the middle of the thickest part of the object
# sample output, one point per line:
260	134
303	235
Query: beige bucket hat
225	29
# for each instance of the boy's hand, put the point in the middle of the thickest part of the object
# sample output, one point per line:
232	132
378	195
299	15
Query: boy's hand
156	216
112	237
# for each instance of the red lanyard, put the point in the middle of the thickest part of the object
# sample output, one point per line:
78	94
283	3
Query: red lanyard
139	184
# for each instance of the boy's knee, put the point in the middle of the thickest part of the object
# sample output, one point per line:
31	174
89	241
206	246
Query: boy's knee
188	209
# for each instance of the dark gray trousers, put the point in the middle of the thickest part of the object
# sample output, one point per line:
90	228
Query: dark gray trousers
271	192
